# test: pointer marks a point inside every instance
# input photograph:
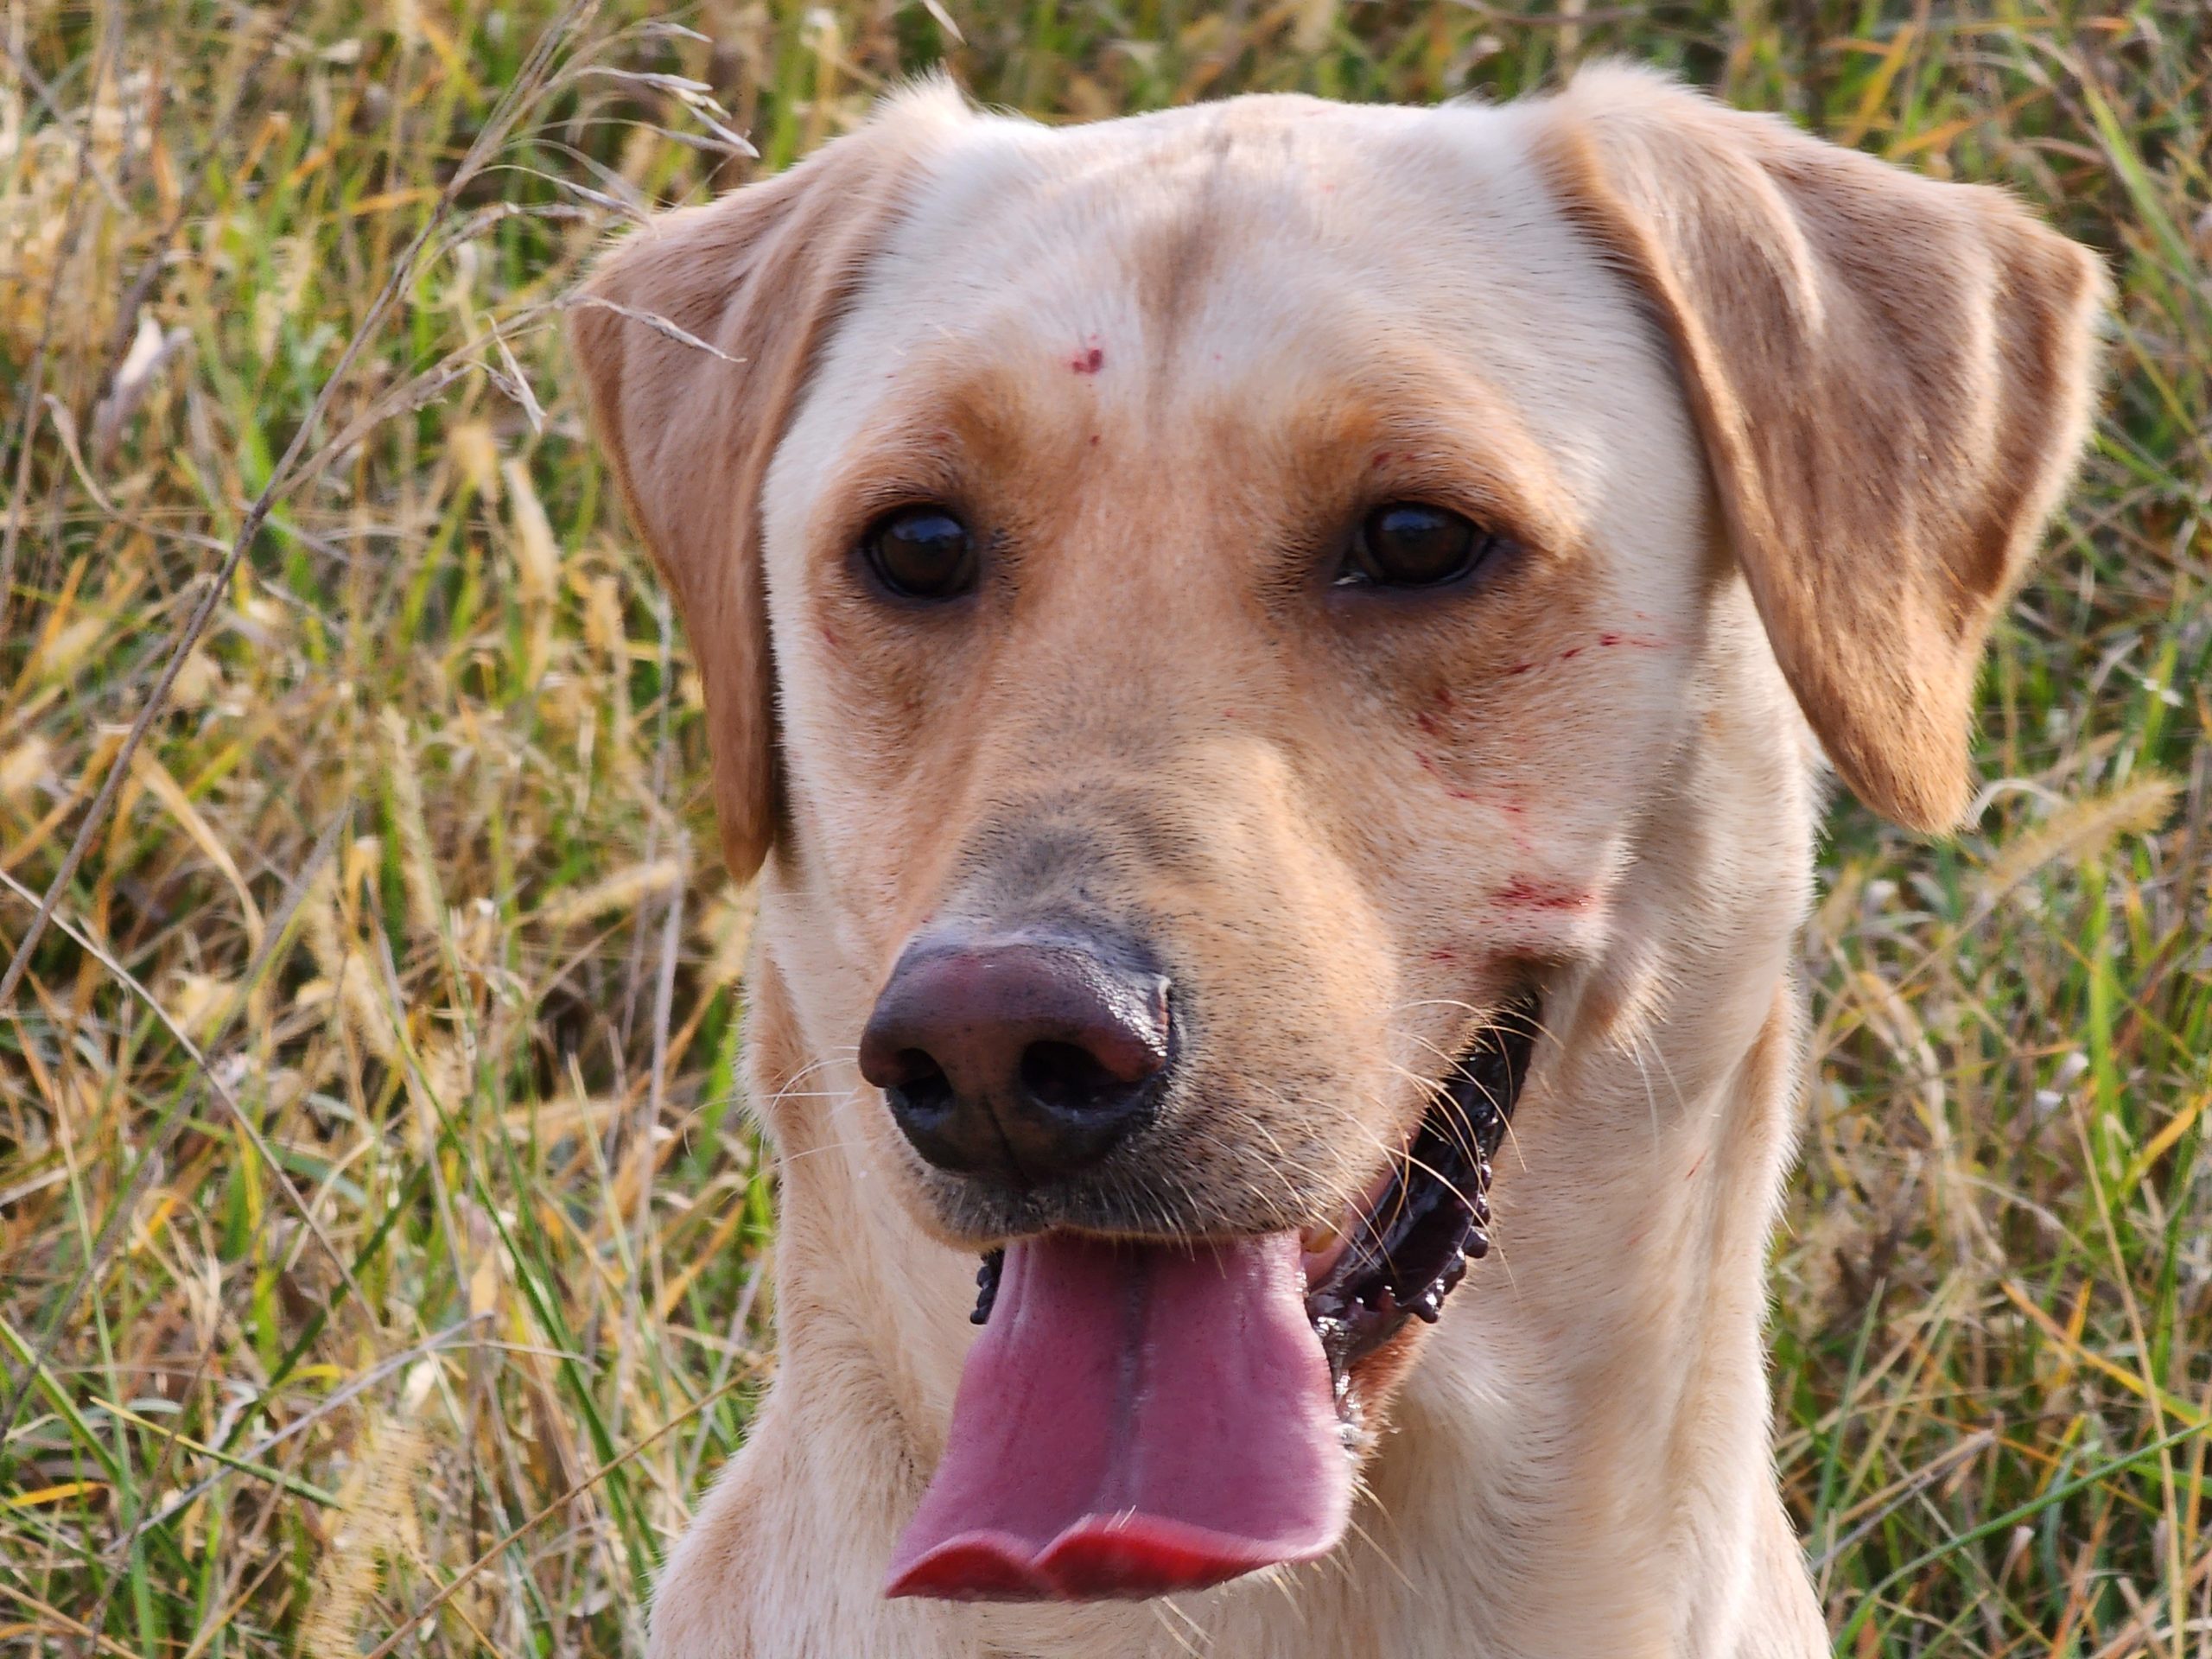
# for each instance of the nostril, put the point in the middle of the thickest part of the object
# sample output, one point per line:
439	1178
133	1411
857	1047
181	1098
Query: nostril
921	1083
1068	1078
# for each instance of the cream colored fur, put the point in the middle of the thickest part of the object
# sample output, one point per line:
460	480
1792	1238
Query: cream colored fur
1777	427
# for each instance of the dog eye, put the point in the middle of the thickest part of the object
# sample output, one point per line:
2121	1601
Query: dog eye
921	553
1412	544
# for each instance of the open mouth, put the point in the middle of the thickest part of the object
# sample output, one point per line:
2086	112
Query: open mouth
1142	1418
1398	1255
1404	1251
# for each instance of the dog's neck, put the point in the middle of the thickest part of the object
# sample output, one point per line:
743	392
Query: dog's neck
1589	1424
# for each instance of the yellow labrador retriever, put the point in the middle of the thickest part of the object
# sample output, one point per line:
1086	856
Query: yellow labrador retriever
1270	656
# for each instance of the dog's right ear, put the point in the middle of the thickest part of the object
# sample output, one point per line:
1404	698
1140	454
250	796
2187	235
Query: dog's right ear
1892	380
696	335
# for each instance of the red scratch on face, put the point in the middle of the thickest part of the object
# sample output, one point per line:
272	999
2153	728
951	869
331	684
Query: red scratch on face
1449	958
1427	723
1381	456
1570	654
830	636
1525	894
1429	766
1609	638
1517	819
1094	439
1444	697
1229	713
1520	667
1088	362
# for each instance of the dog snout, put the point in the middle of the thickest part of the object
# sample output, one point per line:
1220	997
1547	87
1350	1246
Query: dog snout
1019	1058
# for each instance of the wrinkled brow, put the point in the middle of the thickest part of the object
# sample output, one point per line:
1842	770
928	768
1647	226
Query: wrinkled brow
1408	423
1321	427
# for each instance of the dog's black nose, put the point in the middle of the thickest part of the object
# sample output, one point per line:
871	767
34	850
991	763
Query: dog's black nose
1021	1057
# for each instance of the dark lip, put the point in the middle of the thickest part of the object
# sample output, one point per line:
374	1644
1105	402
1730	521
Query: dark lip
1412	1246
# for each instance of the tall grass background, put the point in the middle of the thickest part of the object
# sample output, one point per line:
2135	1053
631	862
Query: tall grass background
381	1233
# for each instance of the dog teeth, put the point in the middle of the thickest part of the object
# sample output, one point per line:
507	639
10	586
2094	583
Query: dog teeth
1446	1281
987	1286
1436	1227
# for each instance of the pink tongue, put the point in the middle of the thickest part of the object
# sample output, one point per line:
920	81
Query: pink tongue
1135	1420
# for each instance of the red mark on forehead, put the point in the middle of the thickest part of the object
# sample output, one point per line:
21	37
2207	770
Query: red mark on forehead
1088	362
1381	457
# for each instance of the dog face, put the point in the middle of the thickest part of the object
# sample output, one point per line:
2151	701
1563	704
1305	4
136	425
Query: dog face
1321	639
1195	608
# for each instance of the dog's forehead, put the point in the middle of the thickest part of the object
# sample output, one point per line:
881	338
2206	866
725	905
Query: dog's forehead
1151	224
1225	212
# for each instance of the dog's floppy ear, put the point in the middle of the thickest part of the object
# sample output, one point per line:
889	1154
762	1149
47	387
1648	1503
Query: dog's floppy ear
697	334
1892	378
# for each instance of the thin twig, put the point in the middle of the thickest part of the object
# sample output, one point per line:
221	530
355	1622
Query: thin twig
300	1425
517	1533
126	1203
92	948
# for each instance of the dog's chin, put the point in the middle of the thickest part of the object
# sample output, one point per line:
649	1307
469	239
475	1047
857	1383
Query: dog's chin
1149	1413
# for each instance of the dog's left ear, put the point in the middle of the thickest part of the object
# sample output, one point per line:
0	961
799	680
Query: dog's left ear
1892	378
696	335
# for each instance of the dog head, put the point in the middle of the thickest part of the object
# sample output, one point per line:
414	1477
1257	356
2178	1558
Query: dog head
1193	611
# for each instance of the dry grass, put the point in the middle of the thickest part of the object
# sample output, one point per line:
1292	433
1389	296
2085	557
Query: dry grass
380	1241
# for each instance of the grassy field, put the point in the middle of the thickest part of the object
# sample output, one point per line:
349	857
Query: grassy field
380	1232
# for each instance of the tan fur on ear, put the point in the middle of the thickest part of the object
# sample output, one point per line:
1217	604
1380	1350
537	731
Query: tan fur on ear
1892	378
697	334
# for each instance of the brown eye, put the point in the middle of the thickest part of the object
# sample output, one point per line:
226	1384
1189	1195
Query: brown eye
921	553
1412	544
